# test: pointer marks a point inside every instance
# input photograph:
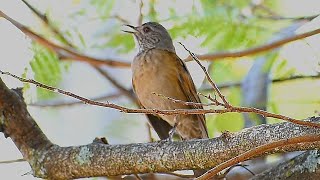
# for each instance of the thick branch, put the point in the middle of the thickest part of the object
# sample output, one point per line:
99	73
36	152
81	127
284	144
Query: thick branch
108	160
165	112
305	165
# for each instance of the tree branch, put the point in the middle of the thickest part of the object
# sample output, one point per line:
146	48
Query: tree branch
305	165
64	52
165	112
99	159
255	50
73	55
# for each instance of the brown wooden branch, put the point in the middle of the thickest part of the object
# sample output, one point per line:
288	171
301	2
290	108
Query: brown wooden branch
62	103
213	85
166	112
255	50
305	165
51	161
46	21
73	55
237	84
126	92
65	52
260	150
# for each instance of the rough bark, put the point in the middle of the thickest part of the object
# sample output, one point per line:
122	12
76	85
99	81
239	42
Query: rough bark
306	165
54	162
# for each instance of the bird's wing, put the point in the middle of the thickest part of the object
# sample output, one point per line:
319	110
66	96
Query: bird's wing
190	92
161	126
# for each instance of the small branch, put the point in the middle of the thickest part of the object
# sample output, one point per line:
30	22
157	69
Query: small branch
185	102
71	103
166	112
255	50
214	86
140	19
100	70
304	165
237	84
260	150
205	88
64	52
12	161
46	21
73	55
99	159
122	89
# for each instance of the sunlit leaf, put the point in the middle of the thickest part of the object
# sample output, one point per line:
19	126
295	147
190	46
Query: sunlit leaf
46	68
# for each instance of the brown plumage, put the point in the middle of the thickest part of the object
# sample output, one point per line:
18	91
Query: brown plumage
158	70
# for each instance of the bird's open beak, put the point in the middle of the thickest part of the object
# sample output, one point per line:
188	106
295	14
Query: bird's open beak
132	32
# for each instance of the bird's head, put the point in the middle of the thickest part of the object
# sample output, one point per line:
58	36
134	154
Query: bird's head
152	35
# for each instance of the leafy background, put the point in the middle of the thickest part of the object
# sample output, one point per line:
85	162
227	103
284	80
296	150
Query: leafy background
94	28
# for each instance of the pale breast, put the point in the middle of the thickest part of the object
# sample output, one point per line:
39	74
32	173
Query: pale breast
155	71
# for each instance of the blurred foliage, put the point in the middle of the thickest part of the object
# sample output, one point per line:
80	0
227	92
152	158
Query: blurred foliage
221	25
103	7
228	121
46	68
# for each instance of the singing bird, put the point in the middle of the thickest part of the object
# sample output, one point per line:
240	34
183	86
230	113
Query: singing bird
157	72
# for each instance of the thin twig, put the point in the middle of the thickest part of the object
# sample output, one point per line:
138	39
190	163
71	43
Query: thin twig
71	103
211	99
214	86
64	52
257	151
255	50
99	69
140	19
185	102
165	112
73	55
122	89
237	84
137	177
179	175
12	161
45	20
115	95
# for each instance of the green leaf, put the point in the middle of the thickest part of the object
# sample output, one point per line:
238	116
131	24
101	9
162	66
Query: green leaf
46	68
103	7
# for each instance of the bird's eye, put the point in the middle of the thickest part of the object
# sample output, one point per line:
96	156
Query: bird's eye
146	29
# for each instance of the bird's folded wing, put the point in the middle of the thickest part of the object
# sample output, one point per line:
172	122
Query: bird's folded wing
189	90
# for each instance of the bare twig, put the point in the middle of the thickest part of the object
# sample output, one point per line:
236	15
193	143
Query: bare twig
45	20
237	84
255	50
100	70
73	55
214	100
71	103
140	19
166	112
115	95
64	52
184	102
258	151
214	86
12	161
122	89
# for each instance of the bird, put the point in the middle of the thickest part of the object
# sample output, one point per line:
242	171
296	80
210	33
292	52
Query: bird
157	72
